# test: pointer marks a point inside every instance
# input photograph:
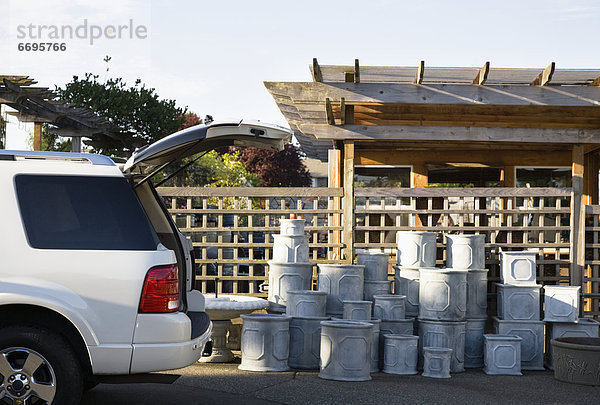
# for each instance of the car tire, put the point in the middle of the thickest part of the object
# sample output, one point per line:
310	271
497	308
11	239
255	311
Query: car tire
36	362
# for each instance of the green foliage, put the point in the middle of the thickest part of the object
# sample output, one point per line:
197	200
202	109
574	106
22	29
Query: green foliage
51	141
137	111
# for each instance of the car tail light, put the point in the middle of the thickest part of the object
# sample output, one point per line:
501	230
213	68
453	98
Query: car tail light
161	290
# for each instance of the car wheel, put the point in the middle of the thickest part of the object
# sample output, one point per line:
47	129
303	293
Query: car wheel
38	366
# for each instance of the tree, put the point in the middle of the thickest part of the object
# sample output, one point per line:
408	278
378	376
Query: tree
51	141
277	169
137	111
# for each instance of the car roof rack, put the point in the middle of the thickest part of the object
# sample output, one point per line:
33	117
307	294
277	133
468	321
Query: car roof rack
65	156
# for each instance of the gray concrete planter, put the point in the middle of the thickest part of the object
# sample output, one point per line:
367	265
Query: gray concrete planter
406	282
577	360
475	329
584	327
265	342
443	294
398	327
373	288
375	345
284	277
518	303
416	249
561	303
502	355
338	340
291	227
517	268
341	282
358	310
436	362
290	249
477	283
376	265
389	307
444	334
532	345
305	342
465	251
306	303
400	354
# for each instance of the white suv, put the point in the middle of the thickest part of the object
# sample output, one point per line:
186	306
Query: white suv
95	278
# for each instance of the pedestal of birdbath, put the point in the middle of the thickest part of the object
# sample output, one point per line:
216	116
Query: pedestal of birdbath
221	310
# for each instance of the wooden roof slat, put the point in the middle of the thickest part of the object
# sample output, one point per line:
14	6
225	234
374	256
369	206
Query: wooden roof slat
316	71
420	72
544	77
482	74
356	71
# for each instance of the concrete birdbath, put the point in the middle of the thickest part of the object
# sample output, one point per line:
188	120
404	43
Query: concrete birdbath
221	310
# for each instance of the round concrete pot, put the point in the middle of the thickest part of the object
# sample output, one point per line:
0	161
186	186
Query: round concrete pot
290	249
475	329
376	265
305	342
293	227
284	277
358	310
265	342
389	307
303	303
443	294
416	249
477	293
400	354
375	341
465	251
406	282
346	350
373	288
444	334
341	282
577	360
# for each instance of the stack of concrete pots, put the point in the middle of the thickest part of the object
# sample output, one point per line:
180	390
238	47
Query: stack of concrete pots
519	306
561	315
467	252
290	269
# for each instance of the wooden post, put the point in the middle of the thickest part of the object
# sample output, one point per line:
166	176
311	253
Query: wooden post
37	136
590	176
334	180
419	180
577	256
348	201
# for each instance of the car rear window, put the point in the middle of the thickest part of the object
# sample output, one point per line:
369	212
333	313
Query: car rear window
83	212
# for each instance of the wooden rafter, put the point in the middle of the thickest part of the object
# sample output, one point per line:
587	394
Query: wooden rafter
544	77
343	110
317	75
329	112
356	71
595	82
482	75
420	71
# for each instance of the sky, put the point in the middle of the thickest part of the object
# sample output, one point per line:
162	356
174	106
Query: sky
213	56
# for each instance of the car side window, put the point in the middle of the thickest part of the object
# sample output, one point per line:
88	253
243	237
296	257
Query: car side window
82	213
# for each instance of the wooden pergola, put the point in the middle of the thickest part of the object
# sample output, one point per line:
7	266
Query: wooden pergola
451	117
40	105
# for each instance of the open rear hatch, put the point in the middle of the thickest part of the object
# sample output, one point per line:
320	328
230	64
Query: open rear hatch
202	138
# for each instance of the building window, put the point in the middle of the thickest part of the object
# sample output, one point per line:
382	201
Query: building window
381	176
543	177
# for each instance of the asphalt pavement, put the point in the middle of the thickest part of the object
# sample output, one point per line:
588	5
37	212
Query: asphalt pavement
224	384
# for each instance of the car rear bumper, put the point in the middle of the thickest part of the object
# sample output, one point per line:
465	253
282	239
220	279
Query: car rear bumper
149	357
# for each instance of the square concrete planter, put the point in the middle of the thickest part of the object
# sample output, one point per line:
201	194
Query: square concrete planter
561	303
400	354
376	265
436	363
584	327
443	294
358	310
502	354
518	303
532	345
389	307
518	268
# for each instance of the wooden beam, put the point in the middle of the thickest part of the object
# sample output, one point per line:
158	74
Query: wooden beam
343	110
439	134
334	180
37	136
419	176
356	71
482	75
317	75
577	240
349	77
595	82
348	202
329	112
420	72
590	176
544	77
